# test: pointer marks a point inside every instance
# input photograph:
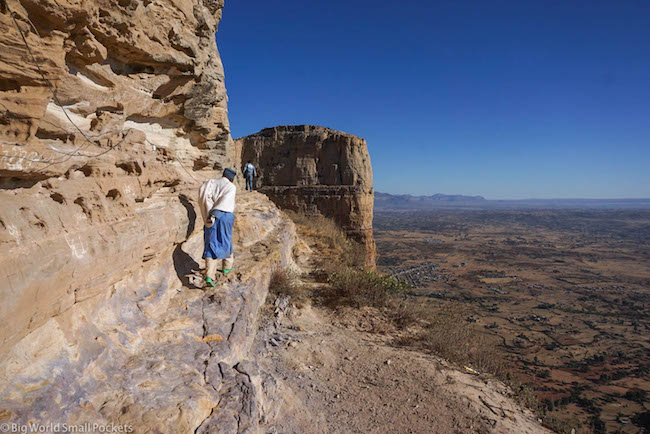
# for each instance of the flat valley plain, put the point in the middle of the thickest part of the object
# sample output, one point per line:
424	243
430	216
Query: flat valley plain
565	292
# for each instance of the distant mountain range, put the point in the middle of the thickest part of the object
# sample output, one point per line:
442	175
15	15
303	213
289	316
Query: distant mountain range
385	201
406	201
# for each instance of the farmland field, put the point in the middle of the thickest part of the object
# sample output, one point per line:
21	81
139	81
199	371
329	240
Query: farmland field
566	292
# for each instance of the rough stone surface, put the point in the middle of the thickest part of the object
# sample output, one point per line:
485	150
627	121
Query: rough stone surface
145	65
314	169
153	351
144	82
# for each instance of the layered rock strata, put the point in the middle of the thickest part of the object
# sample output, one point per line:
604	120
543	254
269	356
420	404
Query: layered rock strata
313	169
106	112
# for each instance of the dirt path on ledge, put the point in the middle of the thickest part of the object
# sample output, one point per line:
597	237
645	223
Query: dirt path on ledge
341	380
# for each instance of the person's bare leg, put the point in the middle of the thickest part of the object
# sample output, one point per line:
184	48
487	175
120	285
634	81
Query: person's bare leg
229	262
211	268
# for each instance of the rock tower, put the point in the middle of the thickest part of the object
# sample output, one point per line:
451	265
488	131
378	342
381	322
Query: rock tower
313	169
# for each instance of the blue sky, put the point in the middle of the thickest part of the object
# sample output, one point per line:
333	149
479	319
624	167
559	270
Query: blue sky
506	99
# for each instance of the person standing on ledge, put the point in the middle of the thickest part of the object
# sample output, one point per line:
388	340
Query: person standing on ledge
217	203
249	173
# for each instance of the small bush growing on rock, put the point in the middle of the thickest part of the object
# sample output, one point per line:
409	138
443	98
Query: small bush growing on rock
561	425
284	282
364	287
406	313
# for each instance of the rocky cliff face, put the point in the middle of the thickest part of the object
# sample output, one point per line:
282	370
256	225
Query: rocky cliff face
314	169
111	114
106	109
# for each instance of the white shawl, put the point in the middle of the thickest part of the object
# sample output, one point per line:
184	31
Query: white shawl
216	194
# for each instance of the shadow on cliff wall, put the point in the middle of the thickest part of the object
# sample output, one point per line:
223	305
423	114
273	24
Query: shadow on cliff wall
184	264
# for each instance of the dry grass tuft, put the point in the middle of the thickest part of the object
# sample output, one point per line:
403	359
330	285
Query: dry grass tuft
324	228
450	335
406	313
562	426
284	282
330	239
444	330
358	288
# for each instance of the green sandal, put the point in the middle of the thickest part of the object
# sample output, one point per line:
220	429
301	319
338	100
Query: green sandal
209	282
224	271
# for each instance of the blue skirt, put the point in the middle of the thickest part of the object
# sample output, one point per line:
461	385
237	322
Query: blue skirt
218	238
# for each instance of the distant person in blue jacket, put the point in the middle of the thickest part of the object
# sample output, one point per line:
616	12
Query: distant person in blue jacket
249	174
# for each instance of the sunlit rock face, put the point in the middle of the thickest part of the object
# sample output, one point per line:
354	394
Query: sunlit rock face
153	351
313	169
144	82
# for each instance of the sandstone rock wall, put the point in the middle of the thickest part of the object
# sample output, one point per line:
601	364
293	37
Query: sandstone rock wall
143	81
314	169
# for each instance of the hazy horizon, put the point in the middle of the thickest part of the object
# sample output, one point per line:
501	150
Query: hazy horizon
518	198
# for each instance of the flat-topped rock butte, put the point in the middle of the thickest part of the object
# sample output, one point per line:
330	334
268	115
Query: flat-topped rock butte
316	170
